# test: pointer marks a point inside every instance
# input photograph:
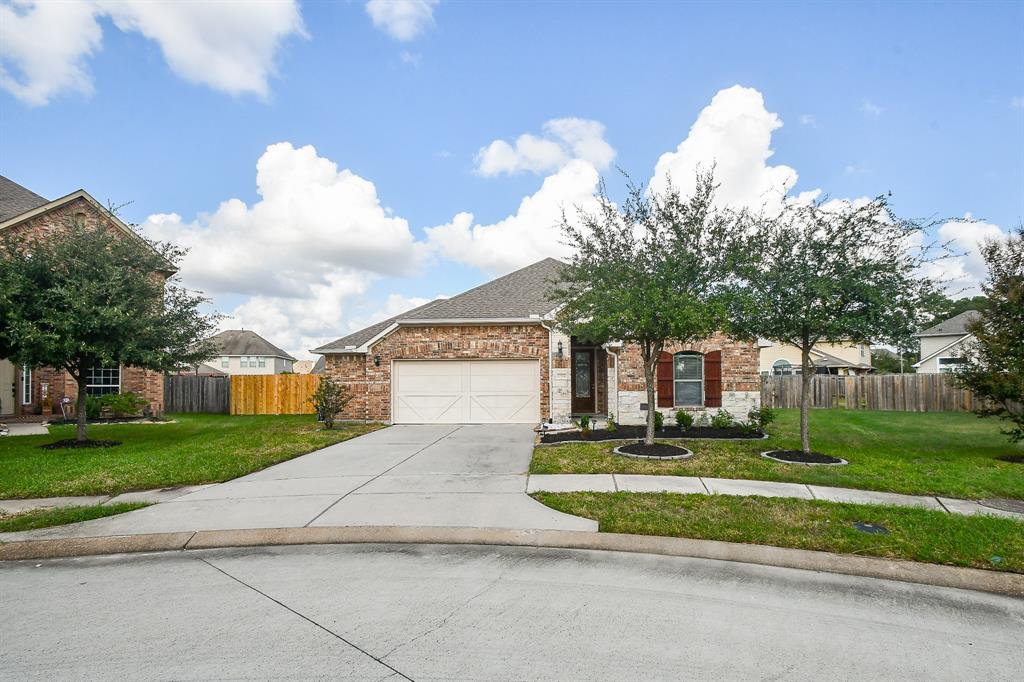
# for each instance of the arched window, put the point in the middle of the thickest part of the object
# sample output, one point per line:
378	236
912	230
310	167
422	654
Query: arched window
688	379
782	368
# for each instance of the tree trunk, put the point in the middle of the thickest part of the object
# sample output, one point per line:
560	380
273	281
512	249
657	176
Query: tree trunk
650	366
80	409
806	377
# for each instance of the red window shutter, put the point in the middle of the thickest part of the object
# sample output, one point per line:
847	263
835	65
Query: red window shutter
664	381
713	379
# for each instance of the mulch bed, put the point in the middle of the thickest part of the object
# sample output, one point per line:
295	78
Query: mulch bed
1012	459
801	457
632	432
71	443
656	451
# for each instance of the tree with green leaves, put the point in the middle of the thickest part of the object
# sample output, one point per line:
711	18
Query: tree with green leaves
650	272
832	272
993	362
329	399
88	297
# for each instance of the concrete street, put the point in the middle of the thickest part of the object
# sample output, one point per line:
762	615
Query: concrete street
442	475
428	612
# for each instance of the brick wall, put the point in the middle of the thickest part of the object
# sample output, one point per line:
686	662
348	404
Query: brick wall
741	381
371	385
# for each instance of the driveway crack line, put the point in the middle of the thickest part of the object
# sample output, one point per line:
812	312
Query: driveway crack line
701	479
392	468
310	620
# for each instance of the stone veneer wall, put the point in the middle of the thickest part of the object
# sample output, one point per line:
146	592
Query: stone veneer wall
741	381
59	384
371	385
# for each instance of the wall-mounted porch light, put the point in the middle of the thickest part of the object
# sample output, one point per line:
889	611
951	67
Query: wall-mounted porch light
558	353
376	361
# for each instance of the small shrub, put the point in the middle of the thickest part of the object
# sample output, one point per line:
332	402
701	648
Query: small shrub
329	399
93	407
761	417
659	420
585	425
704	421
684	419
610	426
722	420
747	428
124	404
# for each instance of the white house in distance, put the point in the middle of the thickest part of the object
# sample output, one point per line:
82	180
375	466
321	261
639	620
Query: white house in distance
783	359
241	351
943	344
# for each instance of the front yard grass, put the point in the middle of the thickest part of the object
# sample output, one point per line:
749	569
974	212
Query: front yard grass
197	448
44	518
915	534
950	454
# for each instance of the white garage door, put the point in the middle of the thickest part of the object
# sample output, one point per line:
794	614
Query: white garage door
466	391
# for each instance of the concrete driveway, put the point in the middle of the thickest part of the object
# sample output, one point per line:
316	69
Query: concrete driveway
437	612
443	475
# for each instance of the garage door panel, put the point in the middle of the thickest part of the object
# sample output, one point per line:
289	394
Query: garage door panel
466	391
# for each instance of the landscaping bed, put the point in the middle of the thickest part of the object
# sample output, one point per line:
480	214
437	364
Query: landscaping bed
655	451
196	448
950	454
801	457
667	432
909	533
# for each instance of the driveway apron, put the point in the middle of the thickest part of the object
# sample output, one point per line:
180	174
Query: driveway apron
409	475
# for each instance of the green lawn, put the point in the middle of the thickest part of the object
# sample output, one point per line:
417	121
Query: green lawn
915	534
44	518
950	454
198	448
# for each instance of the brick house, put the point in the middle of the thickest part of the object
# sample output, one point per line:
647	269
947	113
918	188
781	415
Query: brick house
24	390
494	355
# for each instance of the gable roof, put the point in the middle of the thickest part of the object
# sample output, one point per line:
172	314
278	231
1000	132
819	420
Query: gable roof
15	199
829	360
246	342
519	295
953	326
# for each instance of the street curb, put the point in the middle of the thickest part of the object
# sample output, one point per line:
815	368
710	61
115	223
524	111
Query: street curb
1009	584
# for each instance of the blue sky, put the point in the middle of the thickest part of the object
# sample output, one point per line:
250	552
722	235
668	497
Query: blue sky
171	107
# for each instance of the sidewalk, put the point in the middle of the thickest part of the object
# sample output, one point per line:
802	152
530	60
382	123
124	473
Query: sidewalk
154	496
609	483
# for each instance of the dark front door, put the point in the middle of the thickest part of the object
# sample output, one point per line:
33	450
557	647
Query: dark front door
583	381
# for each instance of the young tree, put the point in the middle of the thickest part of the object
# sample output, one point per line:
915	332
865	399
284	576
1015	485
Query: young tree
649	273
329	399
832	272
89	296
993	365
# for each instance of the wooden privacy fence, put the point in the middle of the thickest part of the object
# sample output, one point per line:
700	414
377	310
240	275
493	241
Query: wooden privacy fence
902	392
197	394
273	393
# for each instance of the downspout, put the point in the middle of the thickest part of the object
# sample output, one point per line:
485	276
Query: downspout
551	391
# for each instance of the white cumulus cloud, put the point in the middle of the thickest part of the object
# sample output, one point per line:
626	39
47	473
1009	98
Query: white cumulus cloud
733	134
967	269
402	19
317	237
564	139
230	46
528	235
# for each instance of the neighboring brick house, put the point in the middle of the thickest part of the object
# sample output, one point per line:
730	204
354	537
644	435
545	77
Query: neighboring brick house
24	390
494	355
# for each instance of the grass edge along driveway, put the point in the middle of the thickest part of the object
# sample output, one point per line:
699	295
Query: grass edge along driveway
197	448
949	454
914	534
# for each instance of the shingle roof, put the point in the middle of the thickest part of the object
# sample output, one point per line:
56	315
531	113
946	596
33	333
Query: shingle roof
829	360
15	199
245	342
953	326
517	295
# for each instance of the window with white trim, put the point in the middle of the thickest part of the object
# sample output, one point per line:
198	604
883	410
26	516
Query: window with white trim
26	385
948	365
784	368
225	362
263	361
102	380
243	361
688	379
